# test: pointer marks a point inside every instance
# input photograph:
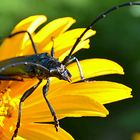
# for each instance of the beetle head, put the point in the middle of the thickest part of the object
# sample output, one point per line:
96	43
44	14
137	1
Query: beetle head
61	72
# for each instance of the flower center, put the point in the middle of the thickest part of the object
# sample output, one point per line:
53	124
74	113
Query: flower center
7	104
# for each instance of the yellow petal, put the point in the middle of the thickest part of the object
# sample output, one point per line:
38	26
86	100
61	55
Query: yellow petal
13	49
78	105
65	41
108	92
52	30
20	86
43	132
31	23
95	67
64	106
101	91
19	138
136	136
81	45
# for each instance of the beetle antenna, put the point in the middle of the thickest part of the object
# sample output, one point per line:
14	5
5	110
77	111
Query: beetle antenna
98	18
30	37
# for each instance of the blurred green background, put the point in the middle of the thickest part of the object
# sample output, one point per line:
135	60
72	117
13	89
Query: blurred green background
117	38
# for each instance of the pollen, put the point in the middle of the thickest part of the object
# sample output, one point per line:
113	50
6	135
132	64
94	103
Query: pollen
7	104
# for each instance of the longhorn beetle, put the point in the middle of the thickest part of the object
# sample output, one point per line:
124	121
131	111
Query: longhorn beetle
43	66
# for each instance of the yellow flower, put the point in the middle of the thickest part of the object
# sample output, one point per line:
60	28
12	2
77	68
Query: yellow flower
68	99
136	136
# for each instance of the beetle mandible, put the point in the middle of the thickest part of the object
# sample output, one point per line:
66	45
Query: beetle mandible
43	66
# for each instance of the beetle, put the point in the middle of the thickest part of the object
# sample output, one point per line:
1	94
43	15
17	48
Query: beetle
43	66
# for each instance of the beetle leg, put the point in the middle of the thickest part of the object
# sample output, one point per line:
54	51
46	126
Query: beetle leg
4	77
25	95
52	50
30	37
45	91
78	65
